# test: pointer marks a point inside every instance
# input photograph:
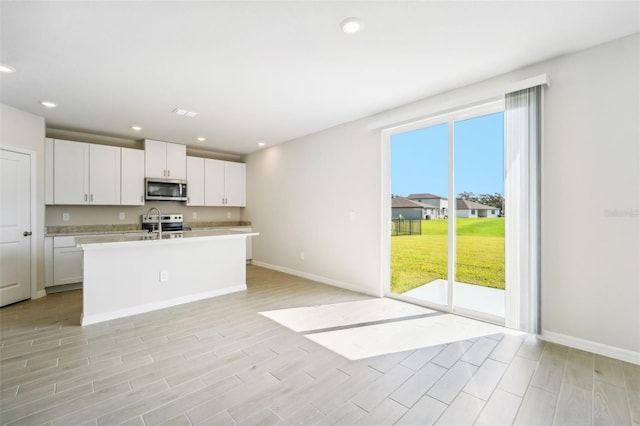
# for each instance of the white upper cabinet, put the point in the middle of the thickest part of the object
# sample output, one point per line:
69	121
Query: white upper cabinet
104	174
48	171
234	184
214	182
85	173
176	161
195	181
165	160
224	183
132	177
71	172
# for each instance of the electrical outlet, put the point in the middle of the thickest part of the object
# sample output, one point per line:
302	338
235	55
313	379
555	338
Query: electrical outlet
65	217
164	276
228	215
194	215
121	215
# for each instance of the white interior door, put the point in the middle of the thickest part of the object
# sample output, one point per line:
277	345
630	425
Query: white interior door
15	227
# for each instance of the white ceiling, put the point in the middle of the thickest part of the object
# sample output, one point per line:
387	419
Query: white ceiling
271	71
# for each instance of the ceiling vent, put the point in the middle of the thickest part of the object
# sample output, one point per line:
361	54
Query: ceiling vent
184	112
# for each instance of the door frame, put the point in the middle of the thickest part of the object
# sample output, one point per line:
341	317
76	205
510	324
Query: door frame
35	234
489	106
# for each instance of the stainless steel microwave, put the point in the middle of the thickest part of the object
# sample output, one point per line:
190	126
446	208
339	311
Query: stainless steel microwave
165	189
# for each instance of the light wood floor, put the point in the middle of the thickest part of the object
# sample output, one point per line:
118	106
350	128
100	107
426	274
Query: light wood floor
218	361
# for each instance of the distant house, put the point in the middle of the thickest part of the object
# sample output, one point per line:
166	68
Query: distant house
441	203
472	209
440	207
405	208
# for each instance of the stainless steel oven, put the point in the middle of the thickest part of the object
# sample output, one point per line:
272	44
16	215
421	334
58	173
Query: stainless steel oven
170	222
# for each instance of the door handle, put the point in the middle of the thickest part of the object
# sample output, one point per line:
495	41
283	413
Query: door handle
26	233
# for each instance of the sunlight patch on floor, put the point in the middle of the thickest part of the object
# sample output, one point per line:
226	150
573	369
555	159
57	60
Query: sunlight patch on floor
394	327
340	314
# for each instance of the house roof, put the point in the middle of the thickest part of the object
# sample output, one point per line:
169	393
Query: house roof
472	205
425	196
404	203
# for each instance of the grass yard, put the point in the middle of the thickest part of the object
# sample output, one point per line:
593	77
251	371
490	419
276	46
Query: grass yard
419	259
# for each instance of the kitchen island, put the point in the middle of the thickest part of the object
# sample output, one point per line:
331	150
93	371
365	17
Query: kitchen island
131	274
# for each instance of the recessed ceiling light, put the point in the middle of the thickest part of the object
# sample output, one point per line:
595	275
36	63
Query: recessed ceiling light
49	104
136	128
7	68
184	112
351	25
260	143
201	139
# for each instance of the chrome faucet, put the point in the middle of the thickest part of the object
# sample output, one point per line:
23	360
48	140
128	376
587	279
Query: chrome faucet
159	221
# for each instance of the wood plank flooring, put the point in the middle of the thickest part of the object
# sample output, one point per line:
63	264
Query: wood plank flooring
218	362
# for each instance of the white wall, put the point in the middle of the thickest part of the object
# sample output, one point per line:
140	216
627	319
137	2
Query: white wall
20	129
300	195
319	195
591	153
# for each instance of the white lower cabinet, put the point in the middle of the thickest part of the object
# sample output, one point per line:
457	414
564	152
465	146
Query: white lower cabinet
63	261
67	261
249	239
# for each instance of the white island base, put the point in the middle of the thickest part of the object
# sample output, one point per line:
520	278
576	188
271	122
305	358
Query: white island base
130	275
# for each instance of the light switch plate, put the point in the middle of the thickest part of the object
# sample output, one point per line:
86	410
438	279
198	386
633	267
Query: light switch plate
65	217
121	215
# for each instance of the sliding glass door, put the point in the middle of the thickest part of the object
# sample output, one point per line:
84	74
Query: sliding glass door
479	185
420	211
447	186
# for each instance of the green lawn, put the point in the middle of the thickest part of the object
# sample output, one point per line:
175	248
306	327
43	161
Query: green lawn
419	259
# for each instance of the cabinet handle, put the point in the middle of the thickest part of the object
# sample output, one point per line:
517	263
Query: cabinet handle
92	198
168	173
85	197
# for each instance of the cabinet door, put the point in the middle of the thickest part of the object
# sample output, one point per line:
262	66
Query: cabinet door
195	181
214	182
234	184
48	261
71	172
48	171
132	177
176	161
67	261
155	159
104	174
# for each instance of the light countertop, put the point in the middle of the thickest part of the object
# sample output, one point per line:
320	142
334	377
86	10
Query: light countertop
104	241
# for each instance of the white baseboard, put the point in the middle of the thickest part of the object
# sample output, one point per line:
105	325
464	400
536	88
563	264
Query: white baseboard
106	316
317	278
590	346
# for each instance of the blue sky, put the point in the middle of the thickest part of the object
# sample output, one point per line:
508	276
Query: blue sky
419	159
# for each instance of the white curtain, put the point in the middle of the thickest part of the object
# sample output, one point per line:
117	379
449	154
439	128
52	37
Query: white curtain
522	131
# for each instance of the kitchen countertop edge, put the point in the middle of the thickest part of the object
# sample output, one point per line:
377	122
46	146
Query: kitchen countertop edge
113	241
73	231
